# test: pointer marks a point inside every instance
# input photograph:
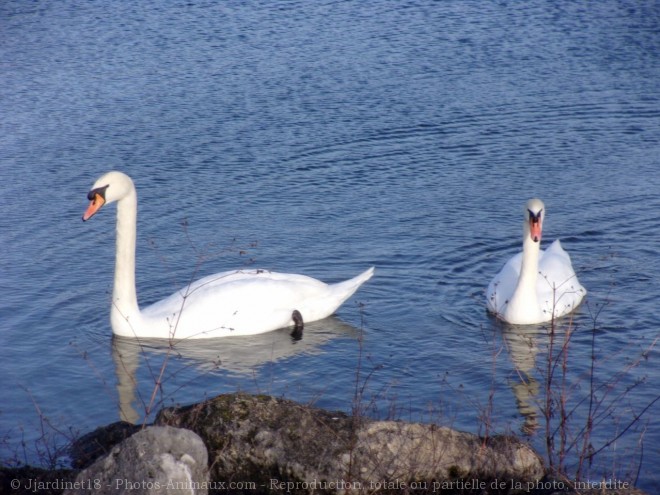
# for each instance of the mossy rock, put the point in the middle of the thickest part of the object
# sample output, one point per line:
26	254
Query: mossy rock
258	438
261	438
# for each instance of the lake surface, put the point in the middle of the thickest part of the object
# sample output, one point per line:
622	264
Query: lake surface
323	138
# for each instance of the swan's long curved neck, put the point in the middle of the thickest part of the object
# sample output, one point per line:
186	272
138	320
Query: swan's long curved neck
524	300
125	310
529	270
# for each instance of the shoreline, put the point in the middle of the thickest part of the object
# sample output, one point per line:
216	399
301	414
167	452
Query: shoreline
257	444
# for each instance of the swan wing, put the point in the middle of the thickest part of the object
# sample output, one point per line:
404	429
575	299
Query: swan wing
558	286
503	285
246	302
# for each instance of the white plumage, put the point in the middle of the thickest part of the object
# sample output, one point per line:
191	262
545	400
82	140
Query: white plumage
535	285
238	302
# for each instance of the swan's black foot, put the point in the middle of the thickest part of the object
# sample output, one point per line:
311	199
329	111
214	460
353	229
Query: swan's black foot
298	325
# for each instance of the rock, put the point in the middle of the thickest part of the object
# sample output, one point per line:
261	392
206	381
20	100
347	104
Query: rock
256	438
85	450
268	441
412	451
158	459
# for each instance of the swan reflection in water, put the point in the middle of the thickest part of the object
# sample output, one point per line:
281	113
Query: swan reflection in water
237	355
522	342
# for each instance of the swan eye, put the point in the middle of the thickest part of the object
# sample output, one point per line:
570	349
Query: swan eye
91	195
535	217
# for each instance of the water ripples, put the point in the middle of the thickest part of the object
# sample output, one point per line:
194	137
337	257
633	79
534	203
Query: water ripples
325	138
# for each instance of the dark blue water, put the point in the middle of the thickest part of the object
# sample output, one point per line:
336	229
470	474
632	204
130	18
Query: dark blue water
322	138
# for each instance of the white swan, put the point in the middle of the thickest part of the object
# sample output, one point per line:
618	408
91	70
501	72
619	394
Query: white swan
534	286
238	302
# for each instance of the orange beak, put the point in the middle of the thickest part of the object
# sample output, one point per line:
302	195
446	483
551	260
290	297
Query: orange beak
94	206
535	229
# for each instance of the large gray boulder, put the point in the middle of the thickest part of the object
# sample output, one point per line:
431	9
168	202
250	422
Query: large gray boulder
280	445
158	459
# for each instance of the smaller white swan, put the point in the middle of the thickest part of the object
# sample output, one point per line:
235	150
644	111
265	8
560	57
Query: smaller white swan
238	302
534	286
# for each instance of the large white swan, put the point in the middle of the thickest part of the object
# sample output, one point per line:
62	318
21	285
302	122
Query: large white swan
534	286
238	302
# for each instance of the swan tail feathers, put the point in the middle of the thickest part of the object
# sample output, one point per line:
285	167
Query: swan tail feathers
347	288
